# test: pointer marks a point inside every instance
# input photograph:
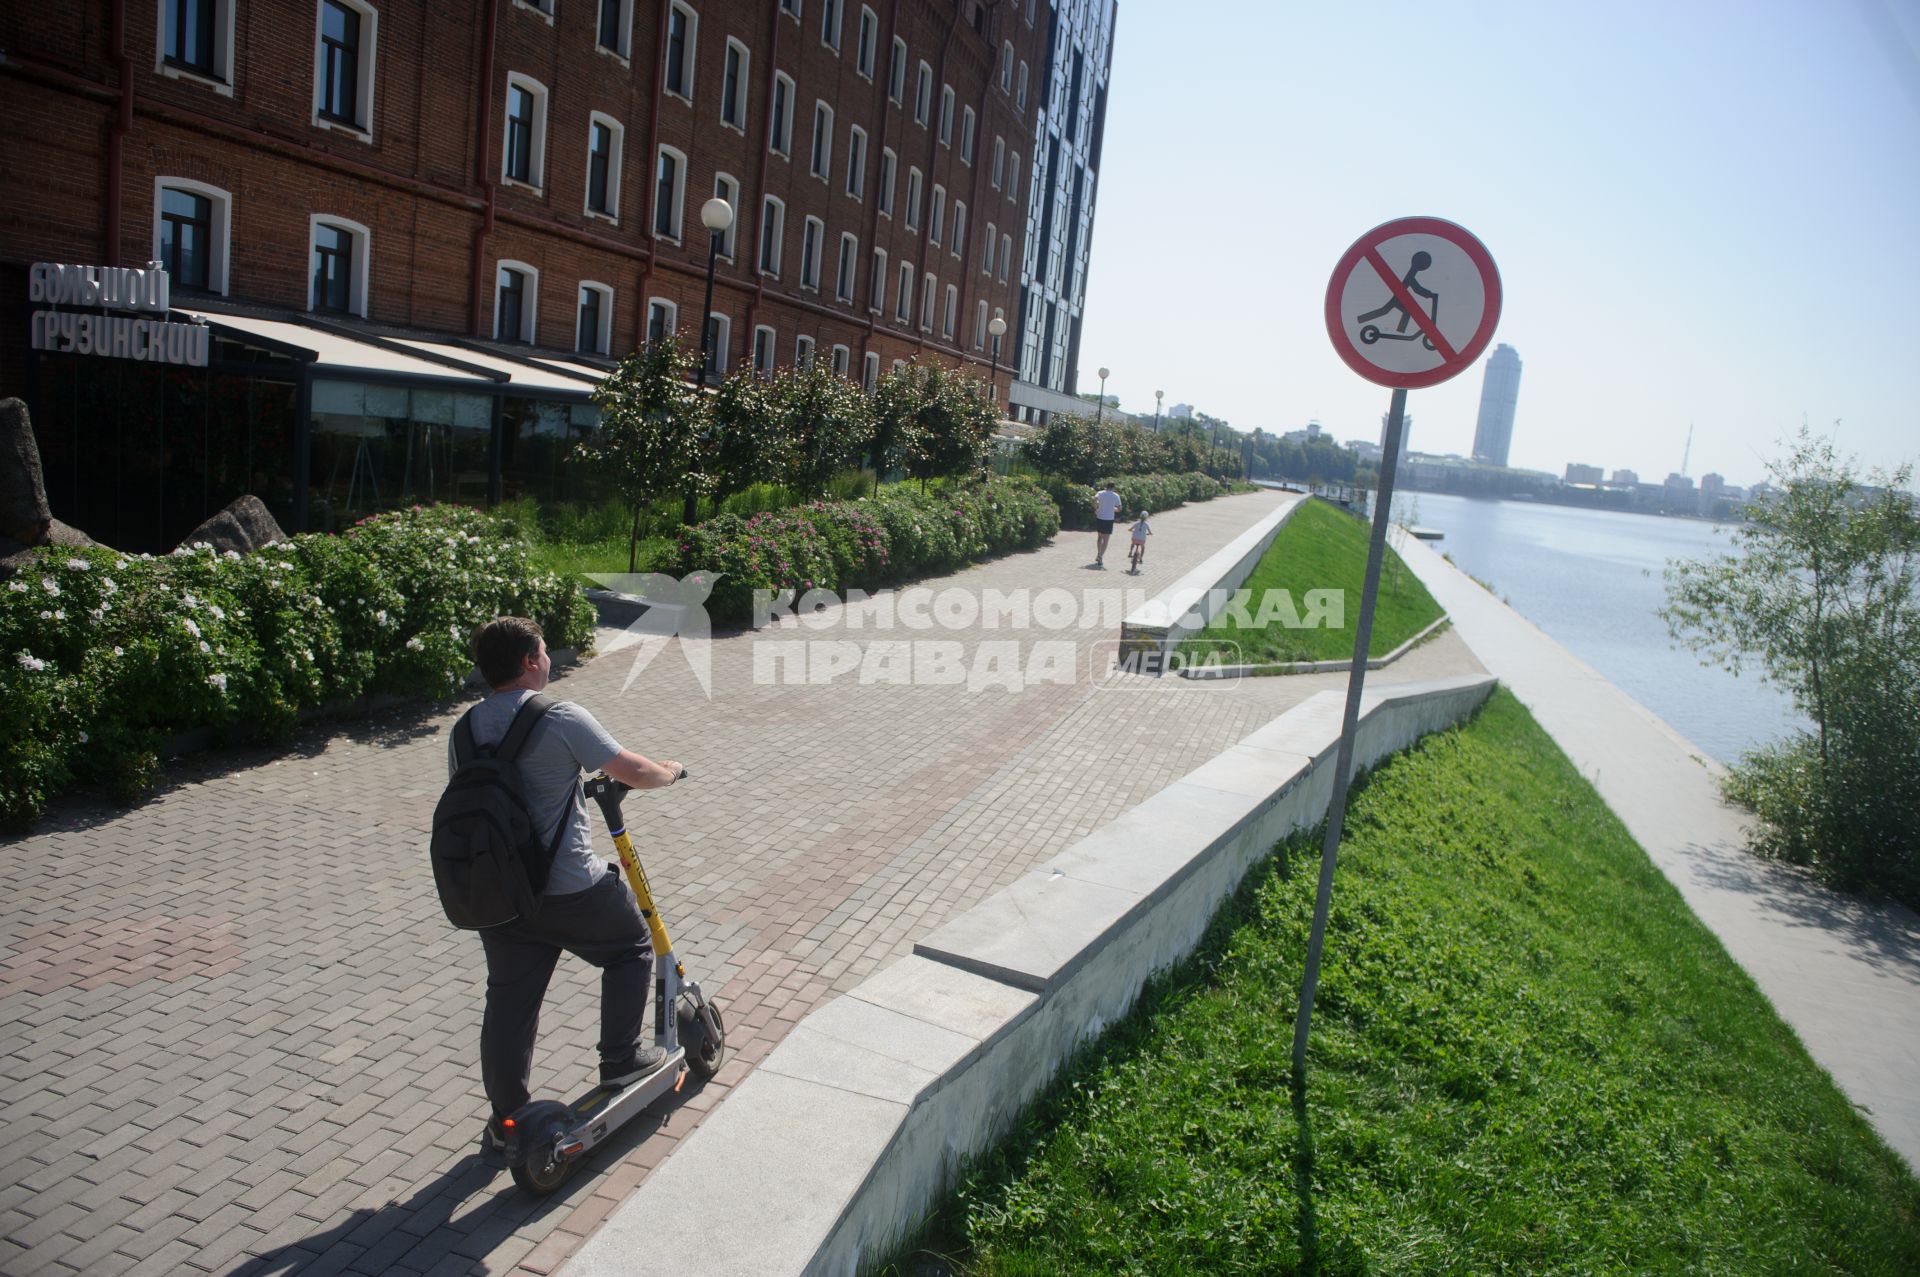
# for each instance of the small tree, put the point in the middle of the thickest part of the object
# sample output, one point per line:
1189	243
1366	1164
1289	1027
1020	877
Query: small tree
744	445
1822	597
652	432
824	424
953	425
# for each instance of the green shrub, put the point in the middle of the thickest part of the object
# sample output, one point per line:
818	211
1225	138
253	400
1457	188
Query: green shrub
1150	492
108	655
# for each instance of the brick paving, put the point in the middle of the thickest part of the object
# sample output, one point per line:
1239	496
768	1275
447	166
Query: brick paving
236	1035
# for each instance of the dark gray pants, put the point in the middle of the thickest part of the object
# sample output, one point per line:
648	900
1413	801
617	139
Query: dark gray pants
602	925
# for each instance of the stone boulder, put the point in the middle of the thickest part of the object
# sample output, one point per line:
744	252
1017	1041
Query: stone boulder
244	526
24	514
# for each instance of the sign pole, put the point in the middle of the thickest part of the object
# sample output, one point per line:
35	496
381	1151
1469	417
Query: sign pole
1343	765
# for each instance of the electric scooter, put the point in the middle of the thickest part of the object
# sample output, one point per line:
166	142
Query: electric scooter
545	1138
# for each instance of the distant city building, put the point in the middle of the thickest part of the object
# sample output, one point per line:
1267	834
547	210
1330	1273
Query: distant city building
1577	473
1313	431
1680	482
1364	449
1180	410
1712	485
1625	478
1499	392
1069	97
1406	432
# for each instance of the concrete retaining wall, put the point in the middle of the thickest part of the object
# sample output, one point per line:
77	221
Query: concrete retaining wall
844	1137
1184	608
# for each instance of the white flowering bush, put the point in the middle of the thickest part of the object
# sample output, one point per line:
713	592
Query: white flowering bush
108	655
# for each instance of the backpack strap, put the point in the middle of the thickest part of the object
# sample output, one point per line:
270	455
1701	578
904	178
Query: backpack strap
525	719
464	747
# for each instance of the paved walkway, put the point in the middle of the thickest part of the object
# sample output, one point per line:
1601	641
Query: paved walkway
1843	974
236	1035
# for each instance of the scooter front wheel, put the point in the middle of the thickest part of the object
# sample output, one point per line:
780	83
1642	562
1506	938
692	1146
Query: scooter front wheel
1369	335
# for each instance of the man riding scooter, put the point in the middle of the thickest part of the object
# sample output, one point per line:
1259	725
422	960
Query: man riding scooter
585	907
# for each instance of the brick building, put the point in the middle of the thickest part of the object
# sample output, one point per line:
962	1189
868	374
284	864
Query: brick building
407	238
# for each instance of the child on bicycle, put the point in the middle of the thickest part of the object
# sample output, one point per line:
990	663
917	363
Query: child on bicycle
1138	552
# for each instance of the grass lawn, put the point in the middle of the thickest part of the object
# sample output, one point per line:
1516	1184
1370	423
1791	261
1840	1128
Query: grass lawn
1321	548
1527	1057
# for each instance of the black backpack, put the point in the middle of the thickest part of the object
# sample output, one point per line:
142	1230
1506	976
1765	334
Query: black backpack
488	860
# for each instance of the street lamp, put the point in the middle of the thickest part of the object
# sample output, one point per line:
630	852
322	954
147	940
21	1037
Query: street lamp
716	215
997	328
1158	395
1100	415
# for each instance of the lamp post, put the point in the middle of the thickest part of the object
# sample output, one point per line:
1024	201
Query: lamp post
716	215
1158	395
997	328
1100	413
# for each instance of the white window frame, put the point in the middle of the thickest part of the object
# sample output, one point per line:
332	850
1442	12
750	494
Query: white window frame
897	73
616	166
820	152
966	135
813	236
722	339
993	243
903	296
744	83
602	340
877	286
529	306
870	370
1013	176
999	162
923	94
889	171
1006	254
842	360
761	263
691	60
912	220
537	144
679	195
980	326
729	238
791	8
929	298
946	115
542	9
857	162
1020	92
624	53
220	227
830	15
950	313
899	365
937	214
864	59
222	77
363	89
958	241
803	347
362	251
847	272
668	329
764	366
780	141
1006	66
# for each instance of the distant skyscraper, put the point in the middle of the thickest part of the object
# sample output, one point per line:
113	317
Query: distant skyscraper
1493	433
1406	432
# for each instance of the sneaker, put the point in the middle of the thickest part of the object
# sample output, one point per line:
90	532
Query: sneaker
493	1144
646	1060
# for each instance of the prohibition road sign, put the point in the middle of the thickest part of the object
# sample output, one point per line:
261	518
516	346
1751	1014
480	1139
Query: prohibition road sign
1413	302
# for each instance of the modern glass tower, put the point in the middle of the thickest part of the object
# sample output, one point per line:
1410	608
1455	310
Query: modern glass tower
1493	433
1065	151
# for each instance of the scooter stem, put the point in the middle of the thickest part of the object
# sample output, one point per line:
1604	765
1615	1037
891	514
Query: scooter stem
609	793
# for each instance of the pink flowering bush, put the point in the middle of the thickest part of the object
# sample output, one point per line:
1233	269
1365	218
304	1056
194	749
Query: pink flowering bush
105	656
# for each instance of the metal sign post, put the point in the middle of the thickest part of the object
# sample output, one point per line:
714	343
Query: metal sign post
1443	286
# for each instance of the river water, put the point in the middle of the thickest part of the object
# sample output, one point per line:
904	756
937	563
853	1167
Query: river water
1592	580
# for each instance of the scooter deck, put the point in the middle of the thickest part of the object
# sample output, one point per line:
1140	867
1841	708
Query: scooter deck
605	1109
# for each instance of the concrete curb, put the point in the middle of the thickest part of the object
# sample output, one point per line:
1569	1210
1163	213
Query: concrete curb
1310	667
1156	627
857	1120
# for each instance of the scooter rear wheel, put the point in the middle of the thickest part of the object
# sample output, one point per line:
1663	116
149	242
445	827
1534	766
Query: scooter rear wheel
544	1170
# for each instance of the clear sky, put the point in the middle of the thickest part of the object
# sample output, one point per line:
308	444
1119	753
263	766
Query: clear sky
1703	211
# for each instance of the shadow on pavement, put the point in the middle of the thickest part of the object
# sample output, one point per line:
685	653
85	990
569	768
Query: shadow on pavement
1882	934
466	1210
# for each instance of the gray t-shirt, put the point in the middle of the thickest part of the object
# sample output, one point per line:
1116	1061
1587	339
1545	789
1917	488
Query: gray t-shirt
568	740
